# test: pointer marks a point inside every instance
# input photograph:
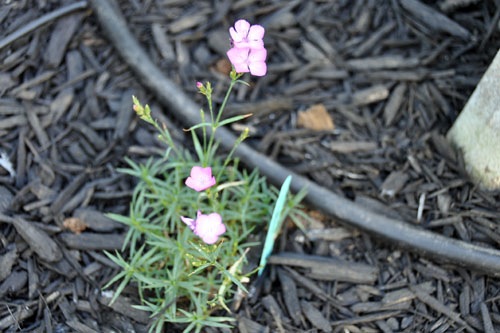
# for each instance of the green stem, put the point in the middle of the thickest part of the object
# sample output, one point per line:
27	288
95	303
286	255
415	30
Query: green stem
215	124
229	156
166	137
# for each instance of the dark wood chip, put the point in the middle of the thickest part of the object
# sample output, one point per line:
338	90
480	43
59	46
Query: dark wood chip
13	283
41	243
96	220
290	296
93	241
438	306
324	268
394	183
7	260
433	19
315	317
123	305
5	199
60	38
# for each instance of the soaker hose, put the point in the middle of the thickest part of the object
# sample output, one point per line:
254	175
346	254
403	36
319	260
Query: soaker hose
400	233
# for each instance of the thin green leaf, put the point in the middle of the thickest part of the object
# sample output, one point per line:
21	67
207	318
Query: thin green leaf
234	119
274	225
197	147
199	126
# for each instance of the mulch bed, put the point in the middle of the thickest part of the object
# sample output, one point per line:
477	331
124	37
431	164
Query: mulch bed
392	76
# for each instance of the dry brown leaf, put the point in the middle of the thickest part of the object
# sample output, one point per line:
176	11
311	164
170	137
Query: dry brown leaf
316	118
75	225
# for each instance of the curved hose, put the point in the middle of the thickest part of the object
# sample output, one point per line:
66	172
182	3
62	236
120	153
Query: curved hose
403	234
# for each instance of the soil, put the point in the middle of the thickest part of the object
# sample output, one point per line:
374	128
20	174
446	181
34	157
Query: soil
358	97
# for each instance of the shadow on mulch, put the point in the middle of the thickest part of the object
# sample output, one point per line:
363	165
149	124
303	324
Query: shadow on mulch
392	77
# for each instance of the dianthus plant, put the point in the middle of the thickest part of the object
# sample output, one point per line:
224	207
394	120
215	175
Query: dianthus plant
193	219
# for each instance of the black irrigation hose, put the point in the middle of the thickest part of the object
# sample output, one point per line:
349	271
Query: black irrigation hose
400	233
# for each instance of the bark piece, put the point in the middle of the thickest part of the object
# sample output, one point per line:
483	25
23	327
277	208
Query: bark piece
394	183
487	323
246	325
437	305
7	260
92	241
123	305
59	40
352	146
96	220
13	319
290	297
434	19
38	240
125	115
381	62
5	198
66	194
329	269
315	317
272	306
13	283
394	104
162	42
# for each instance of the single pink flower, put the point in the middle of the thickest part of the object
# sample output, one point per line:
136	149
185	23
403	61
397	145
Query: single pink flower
200	179
248	60
245	35
207	227
199	85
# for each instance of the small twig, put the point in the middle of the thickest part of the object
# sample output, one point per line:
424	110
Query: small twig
41	21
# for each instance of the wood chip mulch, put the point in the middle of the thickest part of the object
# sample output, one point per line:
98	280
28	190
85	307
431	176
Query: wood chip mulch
359	97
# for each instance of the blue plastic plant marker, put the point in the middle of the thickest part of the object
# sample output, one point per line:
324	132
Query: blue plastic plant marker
274	226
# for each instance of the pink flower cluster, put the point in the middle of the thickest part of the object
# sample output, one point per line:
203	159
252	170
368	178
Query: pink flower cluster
248	53
207	227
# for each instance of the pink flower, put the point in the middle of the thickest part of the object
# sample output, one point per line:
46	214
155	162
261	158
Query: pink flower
199	85
207	227
246	36
248	60
200	179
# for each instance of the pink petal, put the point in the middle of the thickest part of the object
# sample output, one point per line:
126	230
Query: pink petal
220	229
255	44
257	55
242	27
235	36
190	222
239	58
237	55
257	62
241	68
256	32
209	227
258	68
194	184
200	178
209	239
198	171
